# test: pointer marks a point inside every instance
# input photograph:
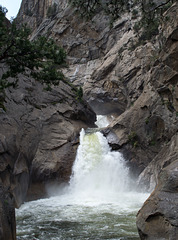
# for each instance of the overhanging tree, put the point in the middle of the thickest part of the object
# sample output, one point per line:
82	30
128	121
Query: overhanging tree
40	58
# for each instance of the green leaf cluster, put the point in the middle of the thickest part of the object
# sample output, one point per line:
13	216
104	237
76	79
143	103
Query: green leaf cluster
86	8
152	15
79	93
40	58
112	8
133	139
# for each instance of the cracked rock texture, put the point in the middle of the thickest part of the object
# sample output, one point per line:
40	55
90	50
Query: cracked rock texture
136	86
157	220
38	141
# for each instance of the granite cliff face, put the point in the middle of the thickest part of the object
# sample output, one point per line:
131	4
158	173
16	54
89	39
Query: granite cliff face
38	140
138	85
135	85
157	219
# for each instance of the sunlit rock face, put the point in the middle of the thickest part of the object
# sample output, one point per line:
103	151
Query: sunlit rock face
102	58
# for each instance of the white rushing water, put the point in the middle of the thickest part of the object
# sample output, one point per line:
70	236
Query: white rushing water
102	121
98	173
99	202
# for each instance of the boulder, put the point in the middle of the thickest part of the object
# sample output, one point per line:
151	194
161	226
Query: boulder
167	155
157	219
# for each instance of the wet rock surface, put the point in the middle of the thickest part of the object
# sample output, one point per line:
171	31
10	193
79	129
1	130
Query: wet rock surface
7	214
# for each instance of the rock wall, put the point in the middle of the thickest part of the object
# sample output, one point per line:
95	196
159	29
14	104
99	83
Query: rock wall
157	219
135	85
34	11
40	132
7	214
38	141
87	45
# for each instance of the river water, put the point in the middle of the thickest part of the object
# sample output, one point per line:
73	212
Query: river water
98	203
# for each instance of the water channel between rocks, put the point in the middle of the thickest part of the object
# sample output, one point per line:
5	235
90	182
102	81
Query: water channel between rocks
99	203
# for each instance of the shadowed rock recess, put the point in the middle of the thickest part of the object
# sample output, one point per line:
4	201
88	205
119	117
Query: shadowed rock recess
134	84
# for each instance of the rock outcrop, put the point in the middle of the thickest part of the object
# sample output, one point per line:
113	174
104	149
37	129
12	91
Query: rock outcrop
7	214
39	133
135	85
157	220
38	140
88	46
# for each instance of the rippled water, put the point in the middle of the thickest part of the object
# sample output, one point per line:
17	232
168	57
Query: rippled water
99	203
68	218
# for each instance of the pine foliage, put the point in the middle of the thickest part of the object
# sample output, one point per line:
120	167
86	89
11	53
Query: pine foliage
40	58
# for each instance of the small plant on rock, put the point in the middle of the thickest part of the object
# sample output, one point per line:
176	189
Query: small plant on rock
133	139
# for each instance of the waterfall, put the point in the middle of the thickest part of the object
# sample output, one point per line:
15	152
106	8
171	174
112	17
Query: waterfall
97	171
102	121
99	202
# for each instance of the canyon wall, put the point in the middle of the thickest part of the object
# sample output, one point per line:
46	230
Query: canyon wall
135	84
39	136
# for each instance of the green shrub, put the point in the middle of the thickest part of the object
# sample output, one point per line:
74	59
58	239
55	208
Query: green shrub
133	139
79	93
